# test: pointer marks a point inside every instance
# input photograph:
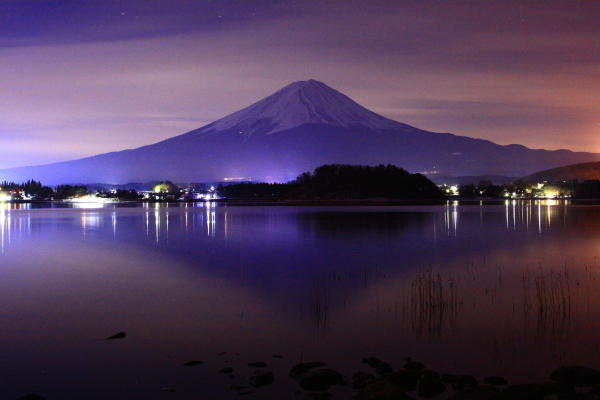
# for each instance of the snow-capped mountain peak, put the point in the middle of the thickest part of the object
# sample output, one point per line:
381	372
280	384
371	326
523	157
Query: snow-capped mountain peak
299	103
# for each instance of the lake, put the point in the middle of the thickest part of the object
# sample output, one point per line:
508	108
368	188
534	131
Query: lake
508	289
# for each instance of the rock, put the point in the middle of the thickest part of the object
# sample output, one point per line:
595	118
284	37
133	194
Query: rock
448	378
258	364
576	396
192	363
428	372
304	367
361	379
461	381
119	335
536	391
495	381
382	389
480	392
320	379
227	370
237	388
414	366
430	384
32	397
384	369
575	375
405	380
261	379
319	396
372	361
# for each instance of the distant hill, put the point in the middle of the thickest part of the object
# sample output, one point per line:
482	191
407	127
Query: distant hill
582	172
296	129
342	182
465	180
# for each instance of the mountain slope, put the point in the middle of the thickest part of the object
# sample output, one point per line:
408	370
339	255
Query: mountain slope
300	103
581	172
298	128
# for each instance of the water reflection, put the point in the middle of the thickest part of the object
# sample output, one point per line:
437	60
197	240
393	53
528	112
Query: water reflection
535	214
90	220
451	218
358	222
540	215
438	280
4	224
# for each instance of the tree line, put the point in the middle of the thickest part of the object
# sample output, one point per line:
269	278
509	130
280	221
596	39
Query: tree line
30	188
337	181
589	189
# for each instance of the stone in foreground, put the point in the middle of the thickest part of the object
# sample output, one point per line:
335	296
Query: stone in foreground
261	379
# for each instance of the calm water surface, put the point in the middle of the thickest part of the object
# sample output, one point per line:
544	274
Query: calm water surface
459	288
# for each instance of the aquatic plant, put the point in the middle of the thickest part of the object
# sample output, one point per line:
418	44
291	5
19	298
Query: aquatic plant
548	294
552	295
320	306
433	301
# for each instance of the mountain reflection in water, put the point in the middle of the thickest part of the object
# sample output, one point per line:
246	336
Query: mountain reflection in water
509	289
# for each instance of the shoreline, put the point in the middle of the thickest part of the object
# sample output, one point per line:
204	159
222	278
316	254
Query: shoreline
332	202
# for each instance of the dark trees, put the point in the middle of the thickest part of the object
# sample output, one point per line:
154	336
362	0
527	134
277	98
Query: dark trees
343	182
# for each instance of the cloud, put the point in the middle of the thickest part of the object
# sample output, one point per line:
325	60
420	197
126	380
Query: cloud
122	74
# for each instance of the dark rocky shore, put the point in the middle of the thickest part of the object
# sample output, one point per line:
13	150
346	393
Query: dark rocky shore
379	381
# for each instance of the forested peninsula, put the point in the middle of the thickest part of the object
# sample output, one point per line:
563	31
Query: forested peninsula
341	182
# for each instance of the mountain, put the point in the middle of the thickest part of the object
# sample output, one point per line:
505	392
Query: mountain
581	172
300	127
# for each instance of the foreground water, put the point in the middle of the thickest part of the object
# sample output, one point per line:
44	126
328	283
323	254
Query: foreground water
508	290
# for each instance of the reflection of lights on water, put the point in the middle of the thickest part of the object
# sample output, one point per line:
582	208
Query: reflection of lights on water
527	213
157	224
539	217
210	223
158	220
514	209
455	217
451	217
507	204
3	222
90	220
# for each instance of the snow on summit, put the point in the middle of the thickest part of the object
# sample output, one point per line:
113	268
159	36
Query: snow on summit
301	103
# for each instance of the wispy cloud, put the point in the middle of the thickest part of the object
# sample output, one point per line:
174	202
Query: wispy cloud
94	70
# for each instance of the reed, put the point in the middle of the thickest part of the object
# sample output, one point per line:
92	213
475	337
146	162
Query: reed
547	293
320	306
433	301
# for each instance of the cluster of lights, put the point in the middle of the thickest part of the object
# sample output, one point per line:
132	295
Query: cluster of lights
245	179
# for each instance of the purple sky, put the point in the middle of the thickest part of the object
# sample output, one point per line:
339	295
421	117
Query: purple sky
83	77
